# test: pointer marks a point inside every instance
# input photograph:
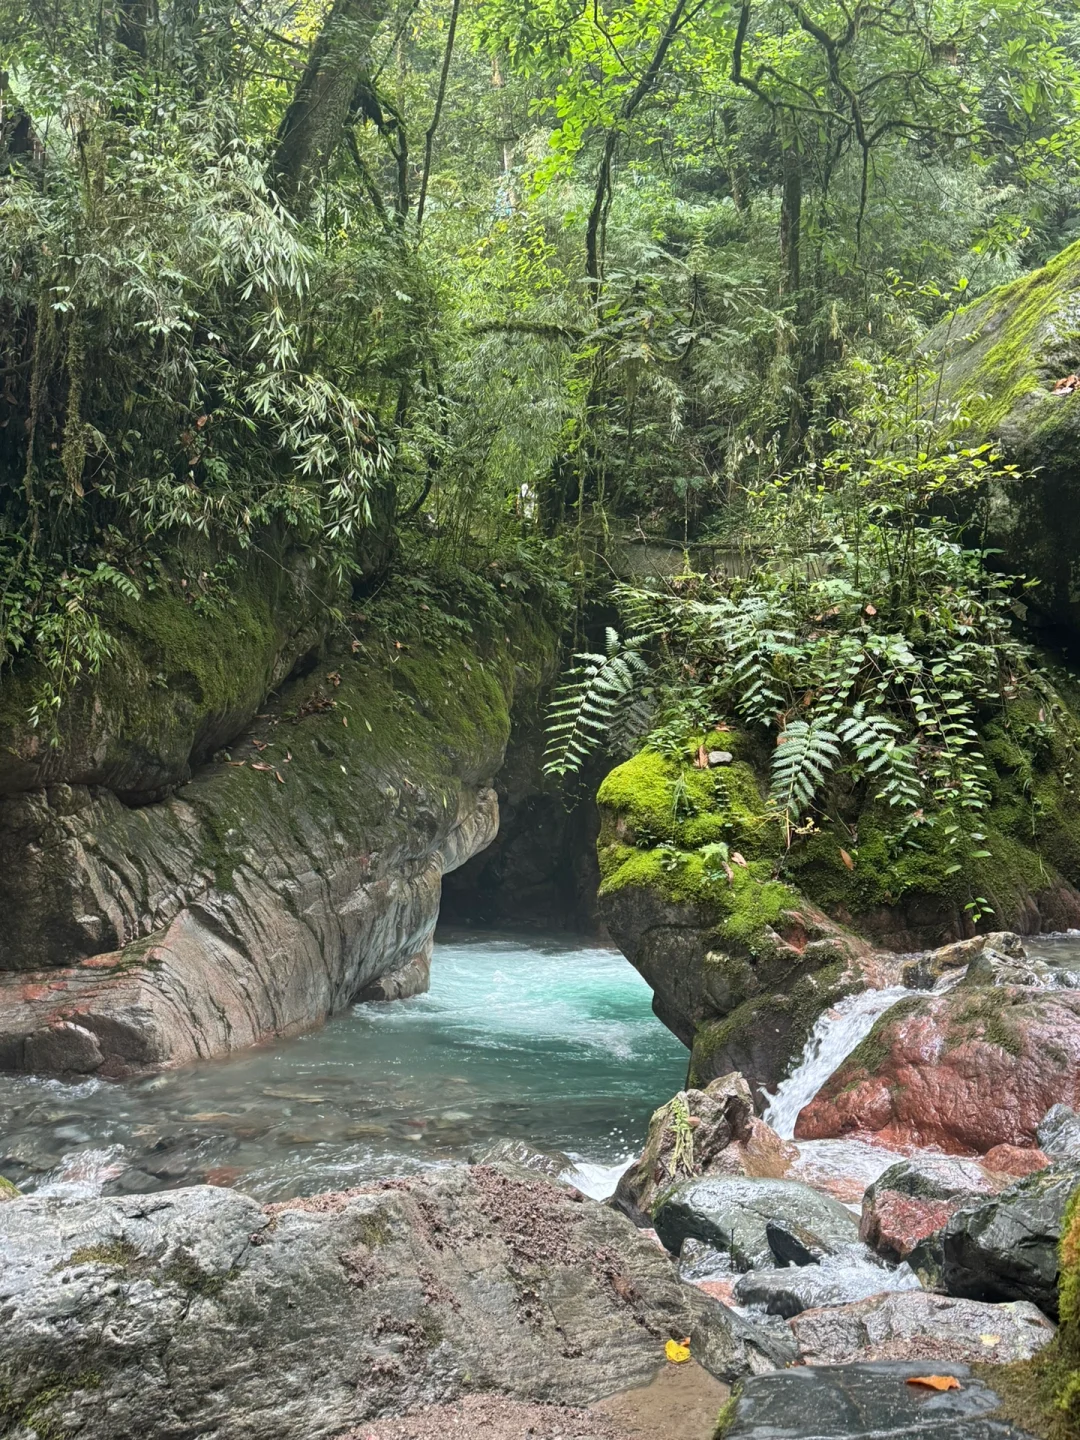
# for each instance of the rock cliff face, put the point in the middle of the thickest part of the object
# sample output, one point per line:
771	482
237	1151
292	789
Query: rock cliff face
290	876
1000	360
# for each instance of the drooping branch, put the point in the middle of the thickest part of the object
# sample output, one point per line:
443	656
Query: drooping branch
429	138
594	232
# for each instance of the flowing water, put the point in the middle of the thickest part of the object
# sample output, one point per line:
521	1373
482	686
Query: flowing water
542	1040
833	1038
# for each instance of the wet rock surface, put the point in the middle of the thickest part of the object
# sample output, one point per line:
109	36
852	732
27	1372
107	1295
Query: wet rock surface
733	1215
1059	1134
961	1072
1006	1247
838	1280
713	1131
918	1325
866	1402
309	1316
915	1198
283	882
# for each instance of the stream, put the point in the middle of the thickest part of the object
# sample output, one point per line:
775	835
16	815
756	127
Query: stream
548	1041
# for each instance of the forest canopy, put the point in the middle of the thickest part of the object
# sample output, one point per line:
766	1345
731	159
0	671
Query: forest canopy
506	279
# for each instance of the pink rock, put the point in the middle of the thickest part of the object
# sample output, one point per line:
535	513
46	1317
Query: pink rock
963	1072
1015	1160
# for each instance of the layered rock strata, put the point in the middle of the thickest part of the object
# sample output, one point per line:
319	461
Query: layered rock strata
294	873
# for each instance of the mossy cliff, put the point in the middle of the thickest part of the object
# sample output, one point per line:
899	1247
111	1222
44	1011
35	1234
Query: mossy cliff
999	360
190	662
745	940
292	873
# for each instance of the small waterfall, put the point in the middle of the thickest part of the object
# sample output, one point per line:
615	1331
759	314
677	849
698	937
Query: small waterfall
831	1041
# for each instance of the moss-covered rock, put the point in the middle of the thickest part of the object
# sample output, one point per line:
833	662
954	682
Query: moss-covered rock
190	662
7	1190
745	941
1000	359
739	962
283	882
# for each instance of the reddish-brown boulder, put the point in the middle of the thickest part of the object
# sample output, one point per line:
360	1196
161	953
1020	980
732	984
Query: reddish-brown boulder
1015	1160
962	1072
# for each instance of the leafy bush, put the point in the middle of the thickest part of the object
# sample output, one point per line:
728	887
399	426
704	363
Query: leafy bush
854	628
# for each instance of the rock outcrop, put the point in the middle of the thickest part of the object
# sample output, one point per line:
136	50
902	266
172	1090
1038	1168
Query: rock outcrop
741	964
292	875
702	1132
1000	360
199	1312
1006	1248
961	1072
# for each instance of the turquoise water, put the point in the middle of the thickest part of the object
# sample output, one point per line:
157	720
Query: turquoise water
547	1041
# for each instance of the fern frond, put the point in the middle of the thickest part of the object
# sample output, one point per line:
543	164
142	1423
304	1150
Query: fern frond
586	707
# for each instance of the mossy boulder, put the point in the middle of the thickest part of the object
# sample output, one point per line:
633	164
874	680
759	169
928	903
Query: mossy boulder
7	1190
745	940
739	962
288	878
1000	360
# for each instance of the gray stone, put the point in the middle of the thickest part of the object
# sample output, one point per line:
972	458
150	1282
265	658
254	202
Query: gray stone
732	1214
1059	1134
199	1312
838	1280
271	891
866	1402
917	1325
1006	1247
720	757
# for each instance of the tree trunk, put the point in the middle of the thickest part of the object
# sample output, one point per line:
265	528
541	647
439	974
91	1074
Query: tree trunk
315	120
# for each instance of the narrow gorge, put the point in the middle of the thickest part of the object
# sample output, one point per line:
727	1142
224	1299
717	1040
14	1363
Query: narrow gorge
539	720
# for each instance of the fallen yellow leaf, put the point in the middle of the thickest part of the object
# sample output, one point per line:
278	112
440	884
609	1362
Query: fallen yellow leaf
935	1382
677	1353
990	1339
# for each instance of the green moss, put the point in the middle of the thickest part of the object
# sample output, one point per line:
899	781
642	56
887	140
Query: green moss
184	1270
7	1190
987	1015
873	1052
374	1229
1005	333
119	1254
35	1408
725	1416
661	800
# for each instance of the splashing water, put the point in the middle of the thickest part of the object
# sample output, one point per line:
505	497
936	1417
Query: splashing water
831	1041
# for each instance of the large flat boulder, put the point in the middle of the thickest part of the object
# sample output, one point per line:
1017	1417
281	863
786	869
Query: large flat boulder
917	1325
200	1312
